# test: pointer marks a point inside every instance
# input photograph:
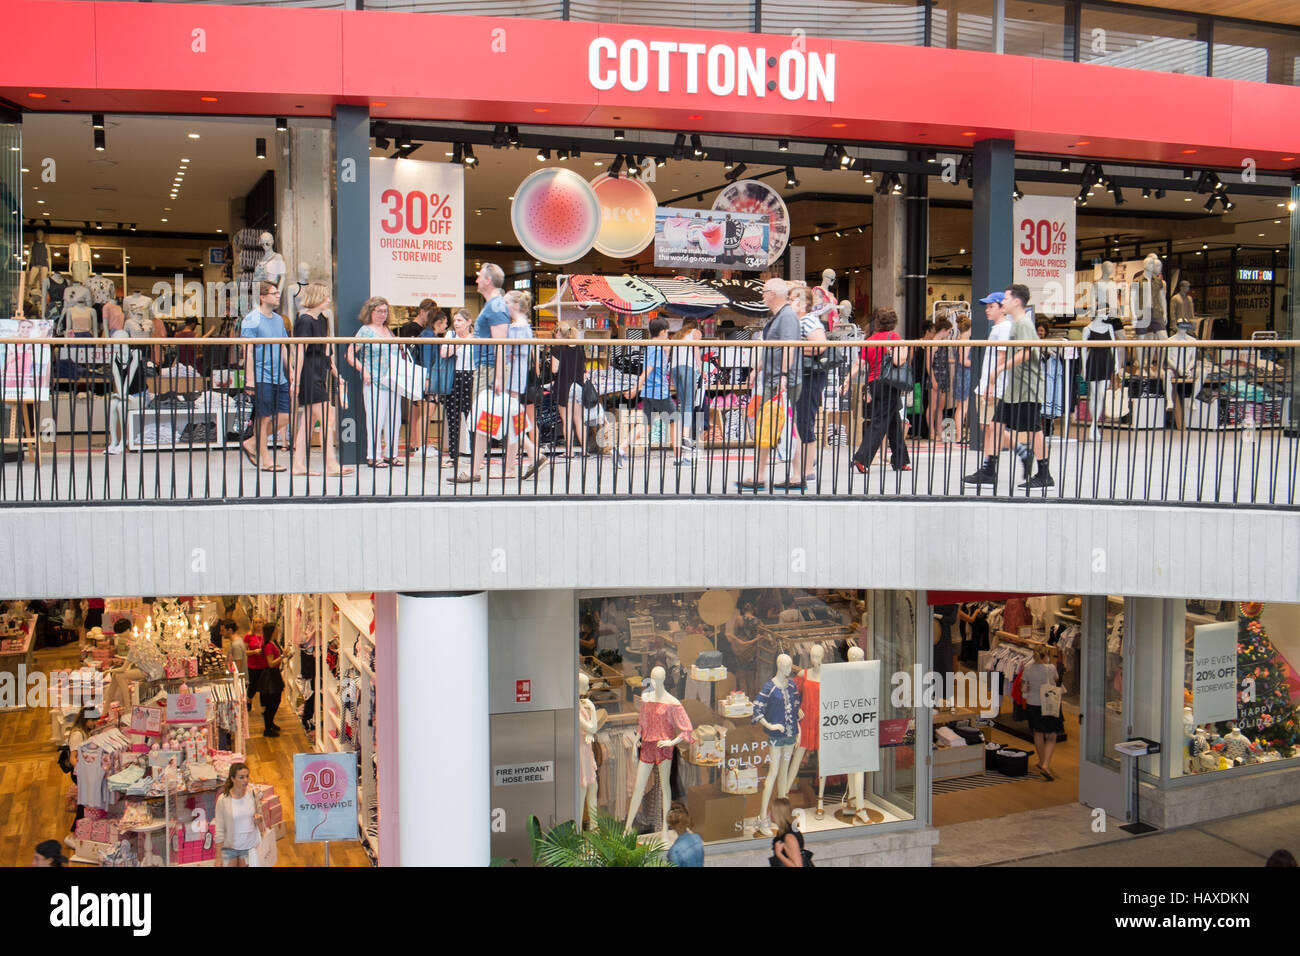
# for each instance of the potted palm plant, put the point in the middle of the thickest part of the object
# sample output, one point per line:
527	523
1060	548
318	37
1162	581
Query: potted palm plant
607	845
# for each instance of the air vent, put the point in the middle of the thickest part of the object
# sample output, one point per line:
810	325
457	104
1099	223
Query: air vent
105	163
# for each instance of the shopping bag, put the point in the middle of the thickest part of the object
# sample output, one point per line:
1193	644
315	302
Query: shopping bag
770	422
594	415
493	413
1051	700
266	852
407	378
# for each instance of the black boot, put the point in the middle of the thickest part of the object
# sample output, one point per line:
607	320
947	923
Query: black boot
1041	480
987	474
1026	456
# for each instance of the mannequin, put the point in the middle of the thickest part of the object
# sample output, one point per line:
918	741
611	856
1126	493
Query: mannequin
290	308
1098	367
1103	297
854	796
271	267
659	714
1236	747
128	390
101	289
823	300
589	721
777	709
1182	309
1147	300
1180	362
809	683
79	317
79	258
141	323
38	265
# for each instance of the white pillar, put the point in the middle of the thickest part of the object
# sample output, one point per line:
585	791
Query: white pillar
444	756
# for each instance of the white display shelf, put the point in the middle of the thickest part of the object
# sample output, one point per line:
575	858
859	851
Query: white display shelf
177	420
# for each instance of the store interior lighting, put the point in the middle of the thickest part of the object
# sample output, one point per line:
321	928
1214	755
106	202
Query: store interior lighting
616	165
281	124
543	155
470	159
457	153
736	173
845	159
1016	193
697	147
381	142
782	145
512	136
96	120
790	180
829	158
619	135
261	148
679	146
1116	192
100	145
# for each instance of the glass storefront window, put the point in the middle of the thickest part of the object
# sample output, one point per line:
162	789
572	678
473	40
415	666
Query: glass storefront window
1240	693
11	211
1163	43
698	663
533	9
1038	28
700	14
1255	53
877	21
1104	696
962	25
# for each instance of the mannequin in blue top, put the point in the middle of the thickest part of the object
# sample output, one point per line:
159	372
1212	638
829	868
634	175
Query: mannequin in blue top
777	709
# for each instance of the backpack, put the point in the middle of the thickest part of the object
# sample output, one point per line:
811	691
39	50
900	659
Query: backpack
65	759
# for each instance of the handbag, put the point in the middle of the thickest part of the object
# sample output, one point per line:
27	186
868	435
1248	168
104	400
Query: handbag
1051	700
443	377
492	412
590	397
901	378
770	422
407	378
65	759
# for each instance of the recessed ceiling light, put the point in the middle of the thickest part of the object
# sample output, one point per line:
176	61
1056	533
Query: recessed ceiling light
218	228
598	163
1290	206
541	109
1277	222
96	255
1261	235
26	170
184	160
167	208
498	242
40	202
192	135
207	99
1187	199
164	220
37	96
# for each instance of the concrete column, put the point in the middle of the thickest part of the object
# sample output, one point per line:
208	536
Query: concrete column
916	257
387	736
888	231
443	759
1292	327
992	237
352	247
304	158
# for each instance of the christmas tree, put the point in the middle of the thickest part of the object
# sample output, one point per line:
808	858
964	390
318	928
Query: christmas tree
1268	714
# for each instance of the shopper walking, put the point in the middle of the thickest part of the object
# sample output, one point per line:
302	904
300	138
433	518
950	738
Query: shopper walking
656	399
272	686
787	844
961	380
318	380
569	363
370	356
489	368
428	356
50	853
239	819
882	403
807	409
1021	409
267	374
988	389
522	362
778	376
688	848
684	372
1040	674
456	406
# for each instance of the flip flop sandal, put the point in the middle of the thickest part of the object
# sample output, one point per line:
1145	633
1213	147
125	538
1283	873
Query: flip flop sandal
465	479
249	455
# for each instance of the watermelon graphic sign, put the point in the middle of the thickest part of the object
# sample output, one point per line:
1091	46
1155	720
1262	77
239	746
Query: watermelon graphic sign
417	231
707	239
556	215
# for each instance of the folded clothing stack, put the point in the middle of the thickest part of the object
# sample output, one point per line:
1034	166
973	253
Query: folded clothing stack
947	737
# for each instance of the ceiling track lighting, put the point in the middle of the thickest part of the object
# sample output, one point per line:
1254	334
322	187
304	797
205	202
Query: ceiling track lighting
1188	173
1160	193
470	159
816	237
381	142
619	136
100	145
512	136
736	173
457	153
782	145
1065	165
661	161
1146	192
845	159
829	158
499	136
1209	203
931	157
543	155
679	146
616	165
1016	193
697	147
261	148
727	163
1117	193
96	120
562	155
281	124
790	181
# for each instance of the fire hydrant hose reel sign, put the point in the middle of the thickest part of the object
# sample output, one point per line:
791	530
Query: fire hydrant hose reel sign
417	230
849	719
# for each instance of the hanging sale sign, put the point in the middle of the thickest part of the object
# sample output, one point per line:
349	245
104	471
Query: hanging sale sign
324	797
187	708
1044	252
417	231
709	239
849	721
1214	672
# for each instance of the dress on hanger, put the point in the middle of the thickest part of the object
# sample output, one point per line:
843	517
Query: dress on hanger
810	695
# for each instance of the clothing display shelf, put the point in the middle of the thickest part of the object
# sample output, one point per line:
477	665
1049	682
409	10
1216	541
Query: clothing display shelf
19	654
168	427
1242	390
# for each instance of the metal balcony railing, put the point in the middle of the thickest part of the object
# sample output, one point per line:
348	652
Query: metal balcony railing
171	420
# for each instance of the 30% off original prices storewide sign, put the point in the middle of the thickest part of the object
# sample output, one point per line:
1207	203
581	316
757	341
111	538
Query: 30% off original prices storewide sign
417	231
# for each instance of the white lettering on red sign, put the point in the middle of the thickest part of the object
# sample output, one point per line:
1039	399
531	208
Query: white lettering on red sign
523	691
742	71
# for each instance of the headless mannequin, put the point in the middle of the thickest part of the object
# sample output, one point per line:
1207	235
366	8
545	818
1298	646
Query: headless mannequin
38	265
79	258
779	755
1103	297
854	798
78	316
1236	746
655	693
140	322
813	675
589	722
1182	309
290	310
124	364
1179	361
823	300
271	267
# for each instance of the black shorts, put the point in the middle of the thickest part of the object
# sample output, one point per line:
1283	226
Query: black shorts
1020	416
1041	724
657	406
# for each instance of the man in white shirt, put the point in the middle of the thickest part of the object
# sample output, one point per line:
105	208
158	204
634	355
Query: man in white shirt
989	387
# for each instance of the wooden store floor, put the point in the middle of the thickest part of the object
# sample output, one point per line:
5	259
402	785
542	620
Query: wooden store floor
32	786
1032	793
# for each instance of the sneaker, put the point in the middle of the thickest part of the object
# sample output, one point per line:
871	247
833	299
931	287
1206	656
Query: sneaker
270	733
984	476
683	462
1041	480
688	442
620	459
1026	456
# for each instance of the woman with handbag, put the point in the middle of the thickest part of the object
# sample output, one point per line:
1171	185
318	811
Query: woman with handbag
1039	675
317	378
523	383
238	818
370	356
816	362
569	363
787	845
890	376
437	382
272	684
456	405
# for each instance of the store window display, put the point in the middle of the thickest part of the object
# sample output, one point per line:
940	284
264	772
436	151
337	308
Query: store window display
712	698
1265	727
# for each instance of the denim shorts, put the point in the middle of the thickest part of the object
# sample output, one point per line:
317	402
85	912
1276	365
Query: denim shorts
228	855
782	740
271	399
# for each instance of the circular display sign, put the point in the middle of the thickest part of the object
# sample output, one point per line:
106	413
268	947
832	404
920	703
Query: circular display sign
627	215
555	215
752	196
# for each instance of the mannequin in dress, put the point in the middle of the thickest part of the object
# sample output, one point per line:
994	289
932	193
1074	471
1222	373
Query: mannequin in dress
1099	368
38	265
79	258
588	724
128	390
854	796
823	300
271	267
660	714
777	709
1147	296
809	683
1182	309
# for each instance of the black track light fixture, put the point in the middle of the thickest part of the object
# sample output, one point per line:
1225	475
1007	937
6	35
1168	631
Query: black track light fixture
830	158
931	157
737	172
499	136
697	147
1228	204
790	181
619	135
1188	173
616	165
661	161
1016	193
543	154
96	120
261	148
727	164
1065	165
782	145
381	142
403	141
575	154
562	155
679	146
1206	182
100	145
1117	193
866	171
816	237
1209	203
512	136
282	124
898	183
845	159
1146	192
457	153
1160	193
470	159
